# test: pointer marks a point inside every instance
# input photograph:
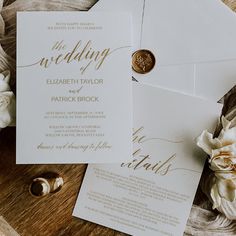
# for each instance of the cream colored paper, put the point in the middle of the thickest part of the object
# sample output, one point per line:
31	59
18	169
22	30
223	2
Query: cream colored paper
152	194
74	94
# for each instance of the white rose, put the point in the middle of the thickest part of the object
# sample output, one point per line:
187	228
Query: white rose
7	109
224	187
222	160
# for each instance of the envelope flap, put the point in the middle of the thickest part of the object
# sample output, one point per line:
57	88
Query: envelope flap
189	31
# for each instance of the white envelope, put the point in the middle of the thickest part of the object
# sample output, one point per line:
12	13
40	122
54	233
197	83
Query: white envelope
193	42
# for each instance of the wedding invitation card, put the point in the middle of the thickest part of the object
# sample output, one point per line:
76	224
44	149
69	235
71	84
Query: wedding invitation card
153	193
74	99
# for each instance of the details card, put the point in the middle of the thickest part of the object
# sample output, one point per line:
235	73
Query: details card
153	193
74	100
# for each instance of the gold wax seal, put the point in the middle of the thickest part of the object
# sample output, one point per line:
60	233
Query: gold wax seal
143	61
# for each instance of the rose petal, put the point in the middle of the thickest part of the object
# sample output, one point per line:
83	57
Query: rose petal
7	110
226	175
4	81
225	123
7	75
5	120
227	135
226	152
207	143
220	164
4	86
226	189
215	197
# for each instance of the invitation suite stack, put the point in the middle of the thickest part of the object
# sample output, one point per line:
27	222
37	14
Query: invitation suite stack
74	76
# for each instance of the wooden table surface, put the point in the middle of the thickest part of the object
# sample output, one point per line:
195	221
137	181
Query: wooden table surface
48	216
51	215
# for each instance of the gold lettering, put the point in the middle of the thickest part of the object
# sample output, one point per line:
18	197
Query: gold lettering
59	45
136	137
79	53
104	55
45	62
145	162
160	167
